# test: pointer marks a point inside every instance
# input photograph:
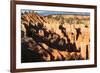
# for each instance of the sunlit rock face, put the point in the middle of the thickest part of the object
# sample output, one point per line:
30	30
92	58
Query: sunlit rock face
54	37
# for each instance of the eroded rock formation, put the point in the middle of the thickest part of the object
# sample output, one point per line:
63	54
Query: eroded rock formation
49	38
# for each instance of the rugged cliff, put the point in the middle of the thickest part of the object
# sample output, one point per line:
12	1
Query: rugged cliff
54	37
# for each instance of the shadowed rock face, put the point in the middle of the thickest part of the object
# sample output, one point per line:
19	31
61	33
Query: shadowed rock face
47	39
37	52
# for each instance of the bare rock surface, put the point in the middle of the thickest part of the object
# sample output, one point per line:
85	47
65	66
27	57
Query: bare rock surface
54	38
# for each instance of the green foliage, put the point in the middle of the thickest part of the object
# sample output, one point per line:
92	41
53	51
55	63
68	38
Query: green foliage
59	17
72	20
49	16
